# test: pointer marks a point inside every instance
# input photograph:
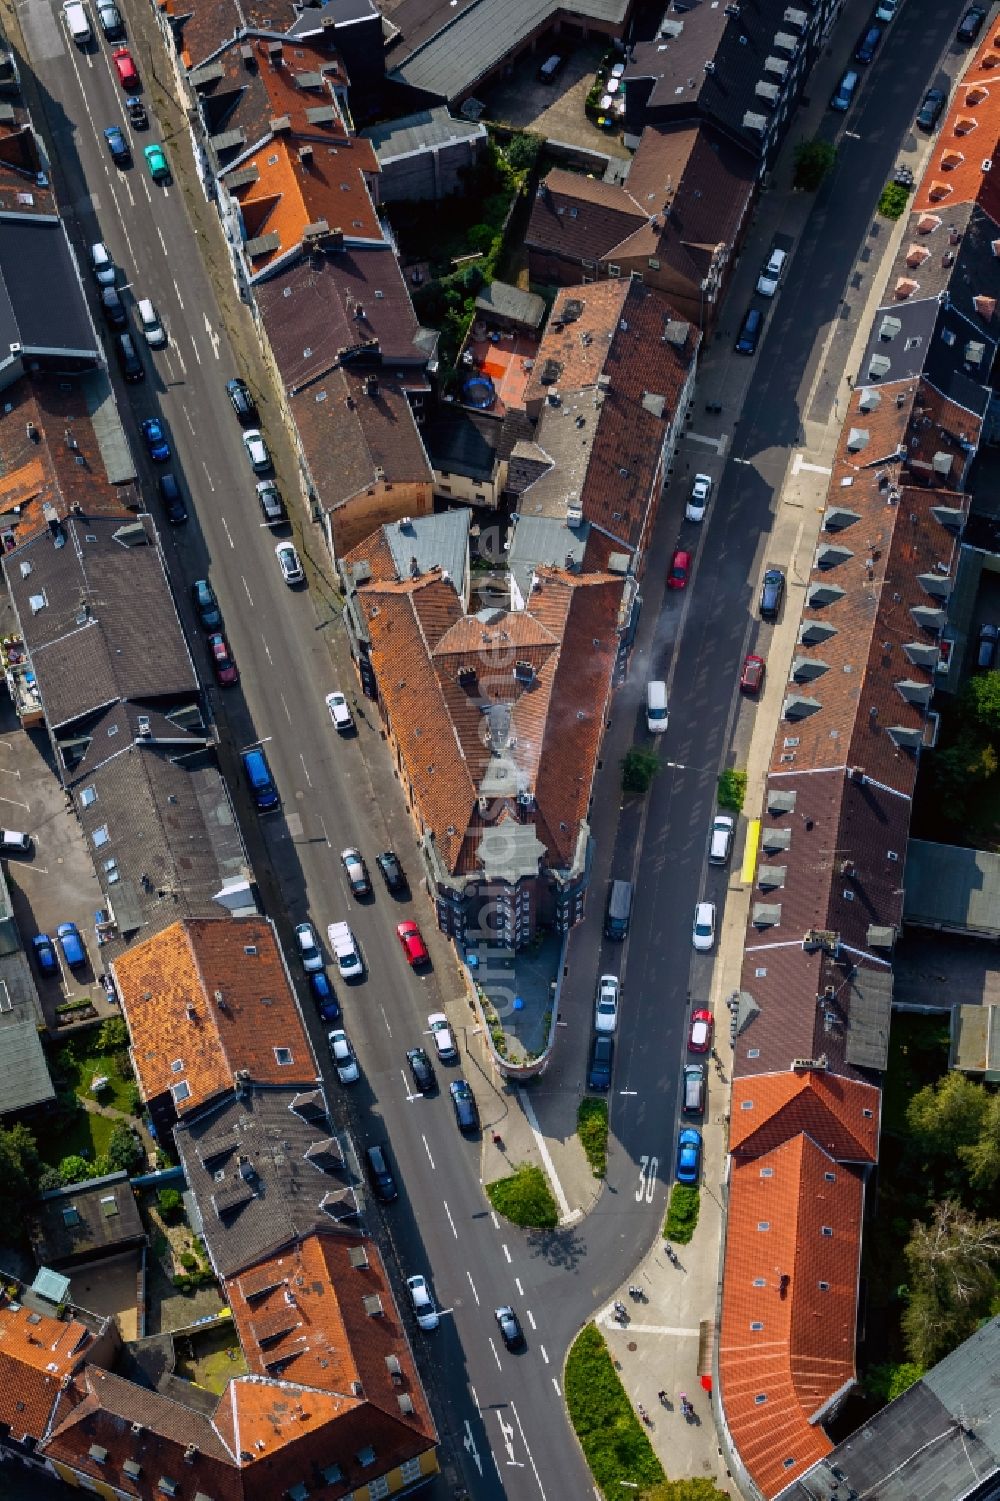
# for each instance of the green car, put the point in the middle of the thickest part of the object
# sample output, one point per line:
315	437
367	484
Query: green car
157	163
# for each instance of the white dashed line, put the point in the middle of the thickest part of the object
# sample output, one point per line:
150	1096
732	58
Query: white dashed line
473	1286
531	1318
517	1284
544	1353
225	528
450	1220
496	1356
211	483
493	1217
180	299
507	1254
427	1149
163	242
250	598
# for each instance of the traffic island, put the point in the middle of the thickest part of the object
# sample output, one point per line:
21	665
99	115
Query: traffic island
592	1129
611	1436
524	1198
682	1214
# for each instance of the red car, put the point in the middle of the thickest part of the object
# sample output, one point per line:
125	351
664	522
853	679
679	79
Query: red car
700	1032
128	73
413	945
752	676
680	567
226	672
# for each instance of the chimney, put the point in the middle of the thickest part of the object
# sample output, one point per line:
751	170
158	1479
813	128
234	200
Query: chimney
306	155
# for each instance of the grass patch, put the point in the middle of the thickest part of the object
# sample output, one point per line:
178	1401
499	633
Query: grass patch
84	1136
79	1059
592	1129
682	1213
211	1360
732	790
894	201
612	1438
525	1198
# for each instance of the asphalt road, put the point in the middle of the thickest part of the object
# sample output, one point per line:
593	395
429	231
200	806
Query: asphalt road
501	1416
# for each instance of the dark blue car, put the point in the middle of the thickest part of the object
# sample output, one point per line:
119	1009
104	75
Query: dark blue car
868	45
602	1053
156	439
117	145
71	944
45	954
323	995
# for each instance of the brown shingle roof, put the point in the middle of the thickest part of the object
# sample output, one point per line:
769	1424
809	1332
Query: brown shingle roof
252	92
581	218
193	996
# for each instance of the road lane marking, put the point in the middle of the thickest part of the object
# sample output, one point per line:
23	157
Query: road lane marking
520	1289
609	1321
748	462
719	444
250	598
187	416
163	242
211	484
177	289
507	1254
544	1353
286	709
195	348
567	1215
475	1399
212	336
531	1457
176	348
225	528
321	823
628	1091
450	1220
799	466
427	1149
305	769
556	1385
389	1030
473	1286
493	1217
496	1357
267	649
531	1318
470	1444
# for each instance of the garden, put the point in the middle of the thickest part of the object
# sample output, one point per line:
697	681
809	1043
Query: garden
91	1129
180	1253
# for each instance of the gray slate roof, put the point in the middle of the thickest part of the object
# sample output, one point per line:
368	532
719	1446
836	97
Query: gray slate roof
542	540
440	541
42	306
510	302
423	131
951	887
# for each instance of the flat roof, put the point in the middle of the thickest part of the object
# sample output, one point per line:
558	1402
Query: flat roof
949	886
396	139
42	306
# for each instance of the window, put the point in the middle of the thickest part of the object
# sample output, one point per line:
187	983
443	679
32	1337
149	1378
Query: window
760	974
868	1114
250	949
177	1066
767	1172
753	1052
614	270
830	1177
101	836
88	795
331	1474
111	871
827	1230
746	1104
760	1397
786	1464
824	1287
167	1486
760	1282
410	1470
378	1488
283	1057
653	264
763	1224
180	1092
366	1456
756	1326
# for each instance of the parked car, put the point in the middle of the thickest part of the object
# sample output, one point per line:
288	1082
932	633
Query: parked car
987	645
703	930
137	116
118	146
102	265
12	842
700	1031
356	871
606	1011
843	95
465	1107
308	945
971	24
551	67
110	18
173	500
701	492
339	712
380	1174
149	322
44	951
772	591
324	995
206	605
128	73
77	20
155	436
679	570
413	944
288	561
422	1070
242	402
886	10
444	1043
867	46
929	112
720	843
113	308
257	450
271	503
227	674
129	362
752	676
510	1327
602	1053
688	1155
345	947
767	281
750	331
156	161
423	1303
693	1089
71	944
392	872
345	1060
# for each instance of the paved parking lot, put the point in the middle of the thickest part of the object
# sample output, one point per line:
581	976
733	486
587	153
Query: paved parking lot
554	110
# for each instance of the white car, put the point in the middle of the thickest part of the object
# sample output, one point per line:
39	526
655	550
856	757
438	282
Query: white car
149	318
345	946
102	265
767	281
344	1057
720	844
423	1302
339	712
257	452
443	1040
309	950
698	500
606	1015
703	933
110	19
288	562
886	10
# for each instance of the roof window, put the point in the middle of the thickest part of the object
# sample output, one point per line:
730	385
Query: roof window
763	1224
366	1456
760	1397
180	1092
824	1287
830	1177
760	1282
756	1326
767	1172
827	1230
283	1057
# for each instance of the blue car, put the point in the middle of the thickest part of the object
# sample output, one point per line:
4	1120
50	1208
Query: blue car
45	954
117	145
71	944
323	995
688	1155
156	439
866	48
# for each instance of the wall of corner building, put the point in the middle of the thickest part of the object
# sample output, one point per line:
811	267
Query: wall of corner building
352	521
431	173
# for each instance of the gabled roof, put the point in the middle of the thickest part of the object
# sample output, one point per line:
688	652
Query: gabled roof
243	90
206	1000
581	218
840	1115
37	1353
789	1306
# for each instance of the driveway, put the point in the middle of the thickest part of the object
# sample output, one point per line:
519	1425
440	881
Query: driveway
554	110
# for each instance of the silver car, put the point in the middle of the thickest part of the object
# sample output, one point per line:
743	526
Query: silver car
344	1057
423	1302
257	450
606	1014
288	561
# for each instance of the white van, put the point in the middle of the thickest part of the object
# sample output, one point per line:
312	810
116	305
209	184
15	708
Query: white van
767	282
720	845
151	325
656	706
77	21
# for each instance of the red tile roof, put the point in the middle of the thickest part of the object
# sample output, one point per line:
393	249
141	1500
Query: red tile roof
968	136
200	1008
789	1305
840	1115
37	1354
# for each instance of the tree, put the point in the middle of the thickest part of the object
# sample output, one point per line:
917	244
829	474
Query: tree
19	1168
982	1157
961	767
171	1203
639	767
947	1115
113	1035
952	1264
124	1148
887	1382
813	160
982	698
75	1169
522	151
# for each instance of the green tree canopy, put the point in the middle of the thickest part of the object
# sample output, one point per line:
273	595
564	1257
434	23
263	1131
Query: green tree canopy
952	1263
19	1170
813	160
113	1035
982	695
124	1149
947	1115
75	1169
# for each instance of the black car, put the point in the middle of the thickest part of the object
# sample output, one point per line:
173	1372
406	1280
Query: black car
930	111
128	359
510	1327
392	871
868	45
971	24
243	403
173	500
356	871
602	1053
422	1070
380	1174
749	335
118	146
113	307
205	602
466	1110
771	593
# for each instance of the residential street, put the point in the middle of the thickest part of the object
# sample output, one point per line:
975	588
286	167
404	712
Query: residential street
501	1415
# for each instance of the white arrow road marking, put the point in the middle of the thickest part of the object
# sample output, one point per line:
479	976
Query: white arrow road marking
507	1429
213	337
470	1444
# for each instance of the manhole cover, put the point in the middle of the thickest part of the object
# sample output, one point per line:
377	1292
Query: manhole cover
631	1345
